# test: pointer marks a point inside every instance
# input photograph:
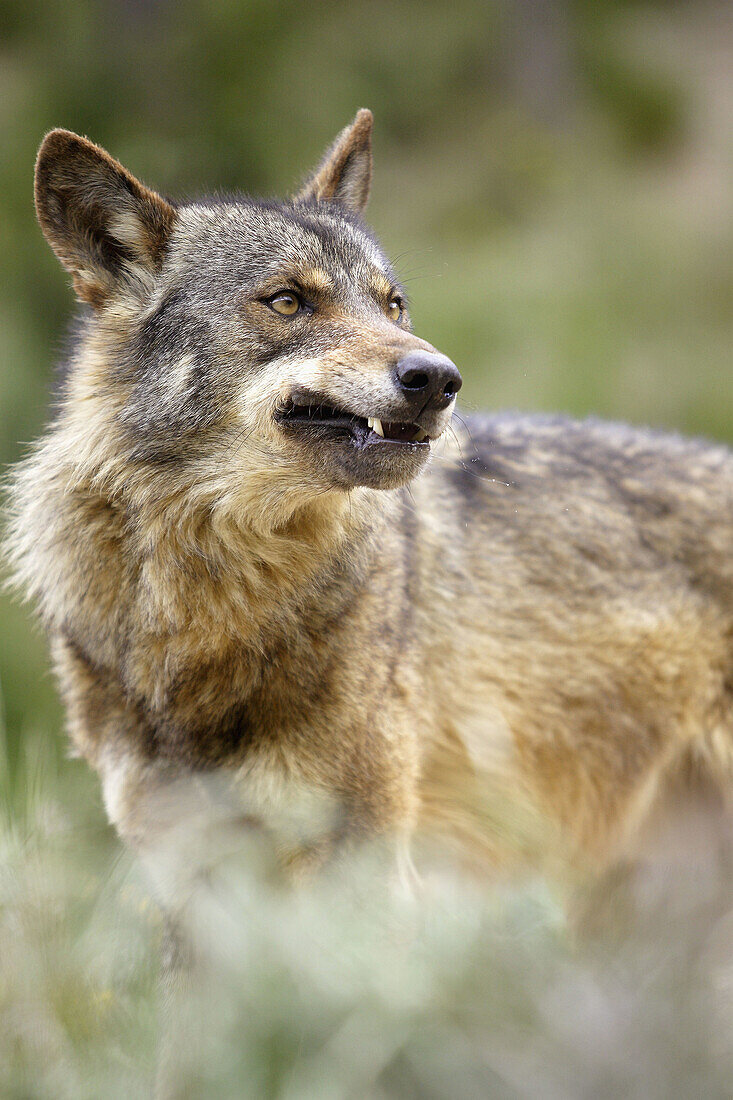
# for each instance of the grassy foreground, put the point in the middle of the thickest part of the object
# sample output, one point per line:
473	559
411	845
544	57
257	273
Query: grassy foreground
336	990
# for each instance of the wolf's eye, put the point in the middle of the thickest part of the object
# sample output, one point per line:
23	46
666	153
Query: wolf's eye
394	310
285	303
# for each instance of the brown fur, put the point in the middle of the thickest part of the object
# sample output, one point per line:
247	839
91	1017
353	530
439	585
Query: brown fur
511	655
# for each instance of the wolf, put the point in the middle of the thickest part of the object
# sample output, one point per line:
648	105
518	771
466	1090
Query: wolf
286	587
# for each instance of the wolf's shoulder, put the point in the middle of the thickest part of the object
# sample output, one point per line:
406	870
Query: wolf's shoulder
557	500
544	445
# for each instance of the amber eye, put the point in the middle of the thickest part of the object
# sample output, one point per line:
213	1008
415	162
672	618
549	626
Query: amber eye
285	303
394	310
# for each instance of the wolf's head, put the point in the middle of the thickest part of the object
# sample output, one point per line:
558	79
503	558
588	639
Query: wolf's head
231	340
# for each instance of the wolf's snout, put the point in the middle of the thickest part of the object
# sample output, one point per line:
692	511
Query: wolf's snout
428	379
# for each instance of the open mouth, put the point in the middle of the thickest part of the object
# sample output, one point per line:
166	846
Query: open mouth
318	417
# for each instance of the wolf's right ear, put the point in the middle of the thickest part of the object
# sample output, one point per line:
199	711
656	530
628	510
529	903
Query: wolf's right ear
105	226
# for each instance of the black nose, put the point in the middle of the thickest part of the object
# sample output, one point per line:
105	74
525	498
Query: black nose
429	378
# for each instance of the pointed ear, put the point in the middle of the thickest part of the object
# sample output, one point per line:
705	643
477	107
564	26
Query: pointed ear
105	226
345	173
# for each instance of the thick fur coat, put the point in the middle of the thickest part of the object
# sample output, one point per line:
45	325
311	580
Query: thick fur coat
274	580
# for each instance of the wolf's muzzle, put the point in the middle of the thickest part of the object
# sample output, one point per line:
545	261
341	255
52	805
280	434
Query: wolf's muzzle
428	380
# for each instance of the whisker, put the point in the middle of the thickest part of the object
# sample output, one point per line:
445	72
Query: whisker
409	252
465	404
465	427
454	433
461	465
239	441
410	507
407	279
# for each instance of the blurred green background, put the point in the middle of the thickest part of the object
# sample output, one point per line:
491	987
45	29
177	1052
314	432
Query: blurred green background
554	179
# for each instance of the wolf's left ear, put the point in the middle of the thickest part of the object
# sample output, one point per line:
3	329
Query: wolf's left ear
345	173
106	227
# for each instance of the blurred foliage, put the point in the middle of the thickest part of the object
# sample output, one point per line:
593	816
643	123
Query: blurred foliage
554	179
340	990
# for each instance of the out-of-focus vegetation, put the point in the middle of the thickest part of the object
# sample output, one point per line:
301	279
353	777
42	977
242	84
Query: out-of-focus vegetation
554	181
340	990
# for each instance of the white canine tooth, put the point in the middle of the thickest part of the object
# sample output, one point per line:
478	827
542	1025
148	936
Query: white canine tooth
376	425
370	422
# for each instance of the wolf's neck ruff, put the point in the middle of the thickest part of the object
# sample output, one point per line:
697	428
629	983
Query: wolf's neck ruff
200	625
